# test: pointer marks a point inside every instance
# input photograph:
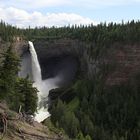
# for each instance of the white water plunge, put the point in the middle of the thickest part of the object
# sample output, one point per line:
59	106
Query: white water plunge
44	86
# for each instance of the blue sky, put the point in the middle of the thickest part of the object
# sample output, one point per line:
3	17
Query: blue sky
23	13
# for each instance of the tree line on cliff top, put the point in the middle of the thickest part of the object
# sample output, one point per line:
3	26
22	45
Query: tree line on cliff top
121	32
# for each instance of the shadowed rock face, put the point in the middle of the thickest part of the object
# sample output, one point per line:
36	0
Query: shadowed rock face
57	58
63	65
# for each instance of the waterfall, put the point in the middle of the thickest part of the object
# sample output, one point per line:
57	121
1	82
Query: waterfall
36	70
44	86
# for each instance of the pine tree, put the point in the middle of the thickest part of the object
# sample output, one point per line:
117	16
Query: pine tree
8	73
29	93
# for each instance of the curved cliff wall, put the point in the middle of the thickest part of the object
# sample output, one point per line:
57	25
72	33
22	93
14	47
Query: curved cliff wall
55	58
66	57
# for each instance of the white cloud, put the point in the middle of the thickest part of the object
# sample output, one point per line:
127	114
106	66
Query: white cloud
17	12
22	18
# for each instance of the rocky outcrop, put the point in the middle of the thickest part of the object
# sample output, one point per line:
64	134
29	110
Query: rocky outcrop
20	47
66	94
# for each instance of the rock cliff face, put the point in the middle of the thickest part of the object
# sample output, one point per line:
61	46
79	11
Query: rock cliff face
19	46
69	56
58	58
126	62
